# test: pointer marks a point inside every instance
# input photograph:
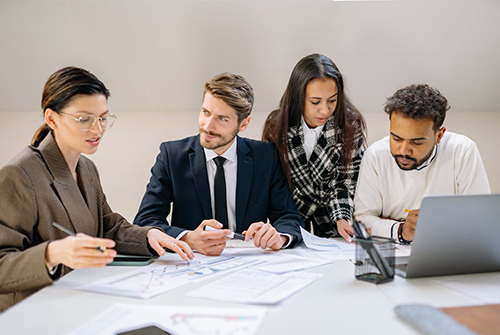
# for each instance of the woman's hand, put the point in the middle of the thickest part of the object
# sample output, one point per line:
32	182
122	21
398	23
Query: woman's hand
80	251
345	229
158	240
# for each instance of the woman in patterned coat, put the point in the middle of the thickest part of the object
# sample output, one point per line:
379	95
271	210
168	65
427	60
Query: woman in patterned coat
320	136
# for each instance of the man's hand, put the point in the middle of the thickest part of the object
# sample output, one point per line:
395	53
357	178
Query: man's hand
410	225
345	229
80	251
159	240
265	236
210	243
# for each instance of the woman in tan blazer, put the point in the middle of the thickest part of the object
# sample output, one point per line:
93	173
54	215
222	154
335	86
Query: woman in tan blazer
50	181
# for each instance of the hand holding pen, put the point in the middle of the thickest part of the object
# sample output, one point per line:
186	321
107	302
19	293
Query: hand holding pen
79	250
408	229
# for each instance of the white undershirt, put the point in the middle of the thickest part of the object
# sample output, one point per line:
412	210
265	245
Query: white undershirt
311	136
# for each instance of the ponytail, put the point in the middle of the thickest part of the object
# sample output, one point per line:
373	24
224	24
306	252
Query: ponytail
40	134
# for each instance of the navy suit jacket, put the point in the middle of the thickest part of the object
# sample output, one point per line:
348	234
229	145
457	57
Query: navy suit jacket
179	176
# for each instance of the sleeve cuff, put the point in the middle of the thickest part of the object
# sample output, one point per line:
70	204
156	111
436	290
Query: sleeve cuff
394	230
182	234
51	269
290	240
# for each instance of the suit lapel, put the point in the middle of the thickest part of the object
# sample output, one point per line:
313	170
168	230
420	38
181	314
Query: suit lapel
66	188
198	164
88	187
243	181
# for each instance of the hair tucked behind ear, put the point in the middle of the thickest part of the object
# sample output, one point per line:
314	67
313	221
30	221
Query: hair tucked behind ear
60	89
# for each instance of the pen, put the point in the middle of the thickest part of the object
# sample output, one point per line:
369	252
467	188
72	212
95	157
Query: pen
233	235
407	210
70	233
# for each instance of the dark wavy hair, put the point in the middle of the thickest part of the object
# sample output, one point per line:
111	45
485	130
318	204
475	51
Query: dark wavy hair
347	118
60	89
419	102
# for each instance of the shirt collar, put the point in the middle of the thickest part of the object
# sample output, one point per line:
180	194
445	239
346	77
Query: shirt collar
230	153
306	128
429	160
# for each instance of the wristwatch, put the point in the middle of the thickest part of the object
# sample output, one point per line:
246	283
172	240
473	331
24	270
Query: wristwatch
400	235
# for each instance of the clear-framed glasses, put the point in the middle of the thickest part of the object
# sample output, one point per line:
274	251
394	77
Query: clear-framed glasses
88	122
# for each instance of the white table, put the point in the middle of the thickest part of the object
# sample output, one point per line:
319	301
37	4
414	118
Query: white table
335	304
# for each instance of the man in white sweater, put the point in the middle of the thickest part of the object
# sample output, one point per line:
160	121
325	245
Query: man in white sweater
418	158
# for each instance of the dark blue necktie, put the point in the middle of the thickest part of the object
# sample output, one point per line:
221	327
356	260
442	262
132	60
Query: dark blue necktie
220	192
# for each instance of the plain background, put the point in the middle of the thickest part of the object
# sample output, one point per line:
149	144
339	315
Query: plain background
155	56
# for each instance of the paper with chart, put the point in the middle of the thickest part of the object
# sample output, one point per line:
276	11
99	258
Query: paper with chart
275	261
162	276
250	286
326	244
289	263
324	248
177	320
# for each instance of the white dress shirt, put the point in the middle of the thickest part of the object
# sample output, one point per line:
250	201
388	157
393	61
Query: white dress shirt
311	136
384	190
230	172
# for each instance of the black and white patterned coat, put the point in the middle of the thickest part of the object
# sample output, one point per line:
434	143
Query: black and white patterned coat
322	188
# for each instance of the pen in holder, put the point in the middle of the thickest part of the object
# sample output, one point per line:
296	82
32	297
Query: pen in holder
374	256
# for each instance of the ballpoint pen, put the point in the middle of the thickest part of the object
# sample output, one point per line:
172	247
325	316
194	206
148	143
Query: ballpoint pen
70	233
233	235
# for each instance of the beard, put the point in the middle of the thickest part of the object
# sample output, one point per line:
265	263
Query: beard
407	167
416	163
220	140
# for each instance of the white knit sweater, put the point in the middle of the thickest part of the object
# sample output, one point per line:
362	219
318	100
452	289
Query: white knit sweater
384	190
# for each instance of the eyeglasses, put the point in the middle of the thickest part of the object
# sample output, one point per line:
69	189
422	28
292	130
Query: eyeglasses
88	122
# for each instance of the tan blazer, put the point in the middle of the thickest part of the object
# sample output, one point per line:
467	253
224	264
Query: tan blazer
36	189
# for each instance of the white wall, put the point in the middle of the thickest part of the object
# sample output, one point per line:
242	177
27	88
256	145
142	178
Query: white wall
156	55
129	149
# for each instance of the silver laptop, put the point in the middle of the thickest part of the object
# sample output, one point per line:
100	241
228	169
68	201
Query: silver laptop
455	235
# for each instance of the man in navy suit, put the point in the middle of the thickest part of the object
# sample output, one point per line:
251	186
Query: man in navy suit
221	180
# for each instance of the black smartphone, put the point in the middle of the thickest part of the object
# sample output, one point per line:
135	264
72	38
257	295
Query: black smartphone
131	260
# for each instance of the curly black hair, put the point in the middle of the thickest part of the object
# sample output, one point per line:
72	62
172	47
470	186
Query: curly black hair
419	102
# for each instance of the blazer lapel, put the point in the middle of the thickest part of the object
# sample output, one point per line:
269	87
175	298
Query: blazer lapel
198	164
88	187
66	188
243	181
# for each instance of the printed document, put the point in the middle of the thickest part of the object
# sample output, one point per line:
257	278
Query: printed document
177	320
326	244
250	286
162	276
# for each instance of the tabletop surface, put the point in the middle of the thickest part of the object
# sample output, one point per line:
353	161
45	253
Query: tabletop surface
337	302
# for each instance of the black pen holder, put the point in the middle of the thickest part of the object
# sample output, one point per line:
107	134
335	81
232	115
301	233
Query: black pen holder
368	268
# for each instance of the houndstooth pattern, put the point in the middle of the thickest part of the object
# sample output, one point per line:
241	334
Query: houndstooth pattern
321	187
